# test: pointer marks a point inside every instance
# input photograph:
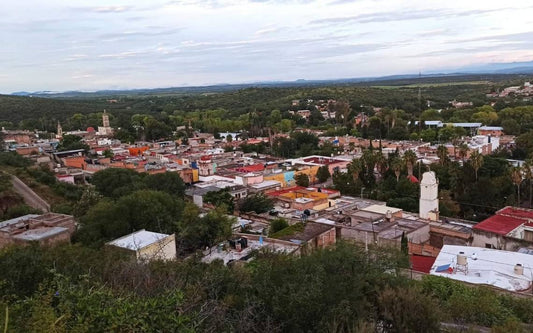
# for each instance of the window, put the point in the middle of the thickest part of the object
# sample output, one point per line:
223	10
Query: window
488	245
528	235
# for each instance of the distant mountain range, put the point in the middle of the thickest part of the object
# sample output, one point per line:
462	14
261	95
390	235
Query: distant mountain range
465	73
525	67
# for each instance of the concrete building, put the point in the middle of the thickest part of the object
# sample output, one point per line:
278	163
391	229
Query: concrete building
46	229
429	197
309	235
242	247
147	245
509	229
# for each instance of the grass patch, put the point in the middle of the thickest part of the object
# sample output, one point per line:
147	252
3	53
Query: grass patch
428	85
290	230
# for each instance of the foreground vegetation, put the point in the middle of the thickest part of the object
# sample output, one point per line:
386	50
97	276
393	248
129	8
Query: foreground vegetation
343	289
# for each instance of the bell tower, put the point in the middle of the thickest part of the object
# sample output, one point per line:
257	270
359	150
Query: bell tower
429	196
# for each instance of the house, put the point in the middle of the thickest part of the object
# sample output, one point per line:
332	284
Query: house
147	245
304	113
508	229
490	130
242	248
501	269
459	105
46	229
300	199
309	235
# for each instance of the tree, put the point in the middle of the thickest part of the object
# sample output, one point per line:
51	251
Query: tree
442	153
277	225
428	135
323	173
516	176
151	210
221	198
396	165
258	203
108	153
524	142
402	309
381	164
476	160
169	182
463	151
410	159
89	198
114	182
528	174
404	244
302	179
198	232
72	142
355	167
511	127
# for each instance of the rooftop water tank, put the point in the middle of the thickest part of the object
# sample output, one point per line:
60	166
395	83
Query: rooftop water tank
519	269
461	259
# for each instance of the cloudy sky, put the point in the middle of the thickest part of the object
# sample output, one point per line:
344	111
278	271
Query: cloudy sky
90	44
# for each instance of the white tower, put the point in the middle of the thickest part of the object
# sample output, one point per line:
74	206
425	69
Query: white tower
429	196
59	134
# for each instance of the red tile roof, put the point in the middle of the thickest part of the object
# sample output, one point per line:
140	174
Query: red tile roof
499	224
251	168
285	190
422	263
413	179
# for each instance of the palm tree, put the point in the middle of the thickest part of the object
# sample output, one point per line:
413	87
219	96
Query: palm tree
396	165
355	167
528	174
381	163
516	177
409	158
476	159
442	153
369	162
463	151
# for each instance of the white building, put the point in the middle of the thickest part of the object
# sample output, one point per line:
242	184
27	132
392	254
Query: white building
429	197
148	245
502	269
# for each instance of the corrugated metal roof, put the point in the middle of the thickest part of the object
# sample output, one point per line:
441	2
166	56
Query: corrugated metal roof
499	224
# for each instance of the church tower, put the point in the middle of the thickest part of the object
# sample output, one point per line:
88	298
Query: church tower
105	129
105	119
429	196
59	134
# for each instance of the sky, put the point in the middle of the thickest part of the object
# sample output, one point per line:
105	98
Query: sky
89	45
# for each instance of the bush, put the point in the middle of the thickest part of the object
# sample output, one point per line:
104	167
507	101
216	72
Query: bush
302	179
277	225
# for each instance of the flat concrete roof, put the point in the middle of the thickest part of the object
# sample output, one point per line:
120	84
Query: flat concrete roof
40	233
138	240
